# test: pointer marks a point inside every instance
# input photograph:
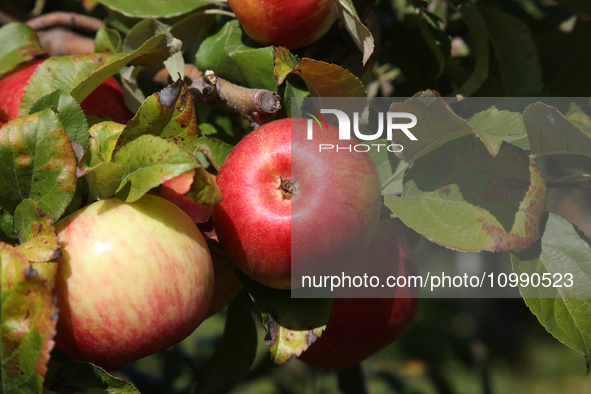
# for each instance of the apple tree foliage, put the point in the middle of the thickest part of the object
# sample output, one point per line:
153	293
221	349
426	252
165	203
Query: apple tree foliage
476	184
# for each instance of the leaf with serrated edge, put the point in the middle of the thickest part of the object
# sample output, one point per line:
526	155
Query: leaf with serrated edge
492	126
479	35
292	324
37	237
437	124
86	377
516	54
204	189
18	44
68	112
328	80
563	311
37	162
168	114
80	75
148	161
27	324
356	29
550	133
462	198
235	354
579	118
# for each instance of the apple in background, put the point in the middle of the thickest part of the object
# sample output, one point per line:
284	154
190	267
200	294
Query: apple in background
359	327
321	207
291	24
106	100
134	279
174	189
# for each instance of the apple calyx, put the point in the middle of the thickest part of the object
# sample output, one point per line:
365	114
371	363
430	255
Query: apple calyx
287	188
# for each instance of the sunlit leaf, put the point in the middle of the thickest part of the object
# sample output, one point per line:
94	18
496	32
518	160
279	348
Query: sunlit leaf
359	33
38	239
18	43
154	8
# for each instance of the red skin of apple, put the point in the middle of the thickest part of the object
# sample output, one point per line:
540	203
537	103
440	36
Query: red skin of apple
174	189
291	24
134	279
106	100
336	200
359	327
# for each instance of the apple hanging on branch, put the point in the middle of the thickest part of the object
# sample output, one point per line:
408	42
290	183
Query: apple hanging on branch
134	279
359	327
281	197
290	24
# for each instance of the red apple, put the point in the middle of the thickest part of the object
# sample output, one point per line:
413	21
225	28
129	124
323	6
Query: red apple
321	207
134	279
291	24
106	100
359	327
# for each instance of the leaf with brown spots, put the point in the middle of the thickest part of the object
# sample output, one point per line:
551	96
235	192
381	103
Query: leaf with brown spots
27	324
18	44
149	161
37	237
562	302
79	75
460	197
168	114
204	189
285	62
292	324
36	162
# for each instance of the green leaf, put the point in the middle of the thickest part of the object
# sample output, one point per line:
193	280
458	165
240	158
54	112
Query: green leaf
438	41
385	162
103	178
438	124
550	133
564	311
107	40
27	324
235	354
18	44
292	324
169	114
219	149
233	56
204	190
7	226
148	161
479	35
78	377
69	113
492	126
37	162
79	75
292	91
359	33
328	80
38	239
462	198
516	54
107	134
155	8
285	62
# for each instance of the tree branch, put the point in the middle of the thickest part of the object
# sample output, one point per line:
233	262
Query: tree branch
59	41
67	19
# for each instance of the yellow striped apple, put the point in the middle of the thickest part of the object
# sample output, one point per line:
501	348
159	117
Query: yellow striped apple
133	279
291	24
320	207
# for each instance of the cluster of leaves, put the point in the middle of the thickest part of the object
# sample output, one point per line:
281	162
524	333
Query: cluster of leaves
468	184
